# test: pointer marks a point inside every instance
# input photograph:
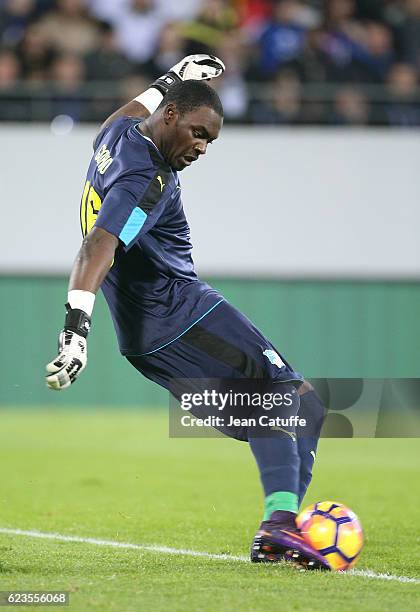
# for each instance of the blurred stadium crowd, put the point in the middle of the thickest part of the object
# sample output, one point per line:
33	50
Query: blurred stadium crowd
336	62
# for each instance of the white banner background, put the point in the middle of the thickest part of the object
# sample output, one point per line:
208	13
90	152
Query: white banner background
263	202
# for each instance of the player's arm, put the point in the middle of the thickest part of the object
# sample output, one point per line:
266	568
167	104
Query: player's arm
195	67
89	270
131	109
93	261
119	222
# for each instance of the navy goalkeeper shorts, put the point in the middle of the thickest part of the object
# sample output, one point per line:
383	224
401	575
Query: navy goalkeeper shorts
225	344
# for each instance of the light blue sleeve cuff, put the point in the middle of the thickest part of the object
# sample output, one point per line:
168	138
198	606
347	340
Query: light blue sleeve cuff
133	225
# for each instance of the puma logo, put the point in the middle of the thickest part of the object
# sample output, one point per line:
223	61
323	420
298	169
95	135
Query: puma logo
162	184
289	433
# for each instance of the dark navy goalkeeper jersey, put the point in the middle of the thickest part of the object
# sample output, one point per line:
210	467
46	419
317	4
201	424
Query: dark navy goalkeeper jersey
152	290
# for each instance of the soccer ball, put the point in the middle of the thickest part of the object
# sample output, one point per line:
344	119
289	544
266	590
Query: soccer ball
334	530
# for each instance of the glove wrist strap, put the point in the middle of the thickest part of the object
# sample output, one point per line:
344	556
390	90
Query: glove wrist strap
77	321
164	82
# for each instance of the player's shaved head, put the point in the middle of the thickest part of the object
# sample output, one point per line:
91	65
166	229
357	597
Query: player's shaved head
189	118
188	96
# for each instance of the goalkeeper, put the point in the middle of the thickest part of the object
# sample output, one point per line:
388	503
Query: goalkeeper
170	324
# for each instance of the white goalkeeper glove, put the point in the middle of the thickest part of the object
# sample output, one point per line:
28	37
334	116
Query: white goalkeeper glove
192	67
72	347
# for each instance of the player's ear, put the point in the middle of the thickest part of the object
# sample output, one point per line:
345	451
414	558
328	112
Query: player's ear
170	113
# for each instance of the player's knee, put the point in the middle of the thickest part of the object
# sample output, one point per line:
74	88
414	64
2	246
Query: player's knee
305	387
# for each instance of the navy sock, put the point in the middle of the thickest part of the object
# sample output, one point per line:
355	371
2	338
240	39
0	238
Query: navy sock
278	463
278	459
313	410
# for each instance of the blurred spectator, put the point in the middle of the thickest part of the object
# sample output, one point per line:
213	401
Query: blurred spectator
131	87
169	51
253	15
9	70
113	97
205	32
231	86
285	104
106	62
371	9
284	38
69	28
350	107
177	11
410	33
340	14
67	74
404	106
351	51
15	15
362	52
338	40
137	29
11	108
375	53
36	54
110	10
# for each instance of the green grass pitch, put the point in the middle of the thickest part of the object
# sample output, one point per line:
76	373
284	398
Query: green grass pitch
117	476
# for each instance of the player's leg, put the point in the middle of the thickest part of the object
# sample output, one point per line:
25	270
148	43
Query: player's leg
278	460
230	337
285	479
226	345
313	411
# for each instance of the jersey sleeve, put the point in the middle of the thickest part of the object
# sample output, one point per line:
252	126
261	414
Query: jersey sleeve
131	207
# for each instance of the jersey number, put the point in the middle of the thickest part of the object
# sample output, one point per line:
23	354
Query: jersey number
89	209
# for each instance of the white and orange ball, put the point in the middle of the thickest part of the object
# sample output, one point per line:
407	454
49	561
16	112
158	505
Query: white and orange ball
334	530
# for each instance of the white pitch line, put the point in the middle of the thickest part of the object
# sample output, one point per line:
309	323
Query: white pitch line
148	547
180	551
